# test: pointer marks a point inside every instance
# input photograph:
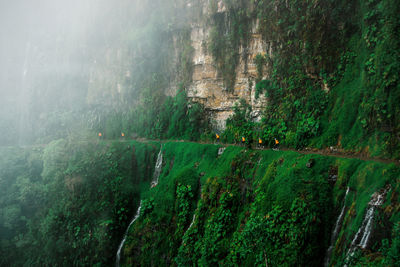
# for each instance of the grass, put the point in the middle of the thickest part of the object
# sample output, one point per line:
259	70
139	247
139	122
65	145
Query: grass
258	180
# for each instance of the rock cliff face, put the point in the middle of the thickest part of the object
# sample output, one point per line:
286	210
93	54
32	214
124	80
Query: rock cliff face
111	75
207	86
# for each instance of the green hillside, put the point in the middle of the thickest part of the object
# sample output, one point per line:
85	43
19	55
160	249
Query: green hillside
131	133
256	206
70	203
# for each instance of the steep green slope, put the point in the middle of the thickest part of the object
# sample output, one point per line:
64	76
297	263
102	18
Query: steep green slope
363	109
70	203
330	69
249	207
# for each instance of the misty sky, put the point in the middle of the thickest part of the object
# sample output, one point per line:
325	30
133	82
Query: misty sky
54	36
49	50
33	33
59	56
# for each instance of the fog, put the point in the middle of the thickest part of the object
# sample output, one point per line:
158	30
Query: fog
70	69
60	56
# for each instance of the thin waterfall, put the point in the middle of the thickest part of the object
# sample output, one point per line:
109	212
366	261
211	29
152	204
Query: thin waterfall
126	234
154	182
335	232
157	169
366	227
191	224
193	220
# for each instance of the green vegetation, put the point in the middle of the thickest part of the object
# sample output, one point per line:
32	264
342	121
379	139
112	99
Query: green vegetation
230	30
239	125
332	71
256	207
176	118
332	76
296	100
69	203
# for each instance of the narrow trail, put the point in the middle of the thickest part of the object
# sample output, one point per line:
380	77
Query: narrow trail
338	153
344	154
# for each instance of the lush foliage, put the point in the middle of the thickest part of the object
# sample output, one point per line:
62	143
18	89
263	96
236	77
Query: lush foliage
170	118
258	207
239	125
230	30
68	204
332	80
363	114
296	99
331	76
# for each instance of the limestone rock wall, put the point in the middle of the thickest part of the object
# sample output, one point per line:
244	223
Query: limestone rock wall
111	78
207	86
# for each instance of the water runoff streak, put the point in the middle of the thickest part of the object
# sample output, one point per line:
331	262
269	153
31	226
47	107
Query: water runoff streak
157	169
191	224
126	234
154	182
335	232
193	220
221	150
362	236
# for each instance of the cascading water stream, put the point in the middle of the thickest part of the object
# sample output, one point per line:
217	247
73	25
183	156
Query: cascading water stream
157	169
126	234
335	232
191	224
154	182
366	227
